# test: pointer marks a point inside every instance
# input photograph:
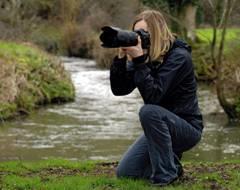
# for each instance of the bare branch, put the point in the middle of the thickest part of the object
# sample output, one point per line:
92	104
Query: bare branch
211	4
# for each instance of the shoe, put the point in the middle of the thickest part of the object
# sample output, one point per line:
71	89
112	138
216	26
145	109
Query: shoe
155	182
180	170
161	184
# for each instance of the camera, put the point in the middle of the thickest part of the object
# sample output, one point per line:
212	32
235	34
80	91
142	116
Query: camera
113	37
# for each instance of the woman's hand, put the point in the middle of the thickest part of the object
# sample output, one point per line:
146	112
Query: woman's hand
121	53
134	51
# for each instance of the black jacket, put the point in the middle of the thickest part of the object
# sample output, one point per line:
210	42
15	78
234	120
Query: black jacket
170	84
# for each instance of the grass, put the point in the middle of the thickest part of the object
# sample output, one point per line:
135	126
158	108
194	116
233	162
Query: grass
93	175
205	34
201	53
29	77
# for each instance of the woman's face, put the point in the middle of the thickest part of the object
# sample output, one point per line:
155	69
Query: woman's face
141	25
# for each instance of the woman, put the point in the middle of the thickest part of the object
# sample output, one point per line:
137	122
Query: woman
170	116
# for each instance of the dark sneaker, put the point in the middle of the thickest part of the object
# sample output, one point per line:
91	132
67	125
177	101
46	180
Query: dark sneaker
161	184
180	170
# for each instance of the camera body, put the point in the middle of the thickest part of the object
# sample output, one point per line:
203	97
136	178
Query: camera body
113	37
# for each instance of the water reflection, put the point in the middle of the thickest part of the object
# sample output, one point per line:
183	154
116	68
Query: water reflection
99	125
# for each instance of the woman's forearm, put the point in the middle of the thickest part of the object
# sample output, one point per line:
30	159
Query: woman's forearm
121	80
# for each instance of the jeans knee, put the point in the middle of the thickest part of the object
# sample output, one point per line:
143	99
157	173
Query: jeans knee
120	172
145	112
149	112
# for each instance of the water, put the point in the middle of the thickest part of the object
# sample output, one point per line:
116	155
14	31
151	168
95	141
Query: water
100	126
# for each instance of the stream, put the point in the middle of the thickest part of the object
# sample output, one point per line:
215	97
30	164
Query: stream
101	126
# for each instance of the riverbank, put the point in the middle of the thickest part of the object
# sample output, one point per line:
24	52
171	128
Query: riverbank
29	77
89	175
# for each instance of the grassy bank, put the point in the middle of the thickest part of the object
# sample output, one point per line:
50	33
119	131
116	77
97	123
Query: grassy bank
89	175
29	77
206	34
201	53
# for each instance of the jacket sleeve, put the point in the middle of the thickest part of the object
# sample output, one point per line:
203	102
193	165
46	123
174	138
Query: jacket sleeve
121	80
171	73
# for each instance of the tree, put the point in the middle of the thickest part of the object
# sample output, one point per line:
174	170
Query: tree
182	13
217	54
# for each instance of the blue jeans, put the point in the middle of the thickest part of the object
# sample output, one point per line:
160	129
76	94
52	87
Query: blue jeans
156	153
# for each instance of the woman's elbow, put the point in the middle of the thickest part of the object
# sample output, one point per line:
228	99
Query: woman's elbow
117	92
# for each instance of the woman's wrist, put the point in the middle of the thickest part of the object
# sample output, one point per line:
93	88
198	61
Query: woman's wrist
140	59
121	55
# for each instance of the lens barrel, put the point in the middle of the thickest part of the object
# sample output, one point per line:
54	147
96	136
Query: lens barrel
113	37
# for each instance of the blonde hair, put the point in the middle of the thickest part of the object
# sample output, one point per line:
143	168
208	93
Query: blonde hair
160	34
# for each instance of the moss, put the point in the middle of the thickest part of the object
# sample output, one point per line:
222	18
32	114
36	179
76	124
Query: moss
7	110
39	78
57	91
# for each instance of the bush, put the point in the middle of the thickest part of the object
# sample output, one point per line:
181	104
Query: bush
231	74
203	66
102	56
48	37
29	77
80	39
201	54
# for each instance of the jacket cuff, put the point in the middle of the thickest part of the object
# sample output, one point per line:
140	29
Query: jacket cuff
140	60
120	62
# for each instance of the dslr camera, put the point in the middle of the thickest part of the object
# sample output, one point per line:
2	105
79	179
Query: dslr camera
113	37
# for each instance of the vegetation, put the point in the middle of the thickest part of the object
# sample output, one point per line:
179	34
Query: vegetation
62	174
29	77
72	27
182	14
204	68
206	34
217	58
66	27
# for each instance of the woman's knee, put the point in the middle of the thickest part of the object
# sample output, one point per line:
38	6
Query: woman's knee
122	172
149	112
129	170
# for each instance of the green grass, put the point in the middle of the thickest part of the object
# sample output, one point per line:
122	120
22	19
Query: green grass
34	78
92	175
206	34
201	53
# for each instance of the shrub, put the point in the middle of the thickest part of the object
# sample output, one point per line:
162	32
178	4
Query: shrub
48	37
29	77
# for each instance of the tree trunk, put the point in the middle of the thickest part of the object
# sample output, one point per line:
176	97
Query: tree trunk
190	11
229	108
186	14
